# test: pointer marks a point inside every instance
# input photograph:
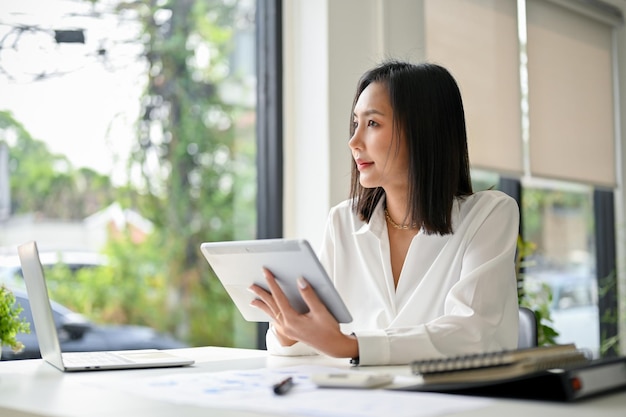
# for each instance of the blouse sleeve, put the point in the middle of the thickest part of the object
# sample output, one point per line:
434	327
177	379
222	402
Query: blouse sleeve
275	348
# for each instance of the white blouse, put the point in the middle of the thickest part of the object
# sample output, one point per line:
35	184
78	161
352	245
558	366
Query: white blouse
457	293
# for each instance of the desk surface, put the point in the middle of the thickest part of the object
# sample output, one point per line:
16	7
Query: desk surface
33	388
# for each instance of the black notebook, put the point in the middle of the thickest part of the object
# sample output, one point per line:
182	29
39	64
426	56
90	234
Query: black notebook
575	382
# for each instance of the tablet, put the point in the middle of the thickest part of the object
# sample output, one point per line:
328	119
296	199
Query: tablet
239	264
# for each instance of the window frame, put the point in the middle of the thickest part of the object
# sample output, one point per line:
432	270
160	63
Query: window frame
269	127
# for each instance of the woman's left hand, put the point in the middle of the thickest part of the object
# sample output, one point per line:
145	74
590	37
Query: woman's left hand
317	328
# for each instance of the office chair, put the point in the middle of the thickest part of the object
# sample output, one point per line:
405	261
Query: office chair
527	329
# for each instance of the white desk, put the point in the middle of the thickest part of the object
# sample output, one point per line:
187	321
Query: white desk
33	388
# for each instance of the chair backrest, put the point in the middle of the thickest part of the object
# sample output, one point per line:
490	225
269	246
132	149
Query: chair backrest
527	329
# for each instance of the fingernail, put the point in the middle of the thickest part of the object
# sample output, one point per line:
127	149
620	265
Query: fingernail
302	283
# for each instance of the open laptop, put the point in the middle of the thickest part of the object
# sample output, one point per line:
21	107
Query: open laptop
48	339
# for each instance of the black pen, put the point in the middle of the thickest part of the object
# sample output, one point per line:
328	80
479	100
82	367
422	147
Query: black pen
283	386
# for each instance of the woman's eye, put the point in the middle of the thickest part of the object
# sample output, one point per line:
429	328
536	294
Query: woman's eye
372	123
355	124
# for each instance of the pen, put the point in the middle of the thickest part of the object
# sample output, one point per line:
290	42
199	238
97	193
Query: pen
283	386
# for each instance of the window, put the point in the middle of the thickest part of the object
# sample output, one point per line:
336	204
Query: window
166	160
558	218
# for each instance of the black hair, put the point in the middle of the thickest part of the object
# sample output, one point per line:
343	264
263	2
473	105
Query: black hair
427	107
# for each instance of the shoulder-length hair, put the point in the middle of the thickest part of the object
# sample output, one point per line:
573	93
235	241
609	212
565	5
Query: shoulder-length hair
428	109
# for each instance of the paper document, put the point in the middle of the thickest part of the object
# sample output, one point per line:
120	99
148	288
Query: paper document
251	390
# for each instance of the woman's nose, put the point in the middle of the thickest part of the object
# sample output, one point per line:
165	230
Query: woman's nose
355	140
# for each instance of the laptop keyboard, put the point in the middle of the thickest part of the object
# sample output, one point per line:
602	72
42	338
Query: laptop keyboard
92	359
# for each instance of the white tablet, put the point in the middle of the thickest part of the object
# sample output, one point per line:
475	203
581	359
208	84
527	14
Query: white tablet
239	264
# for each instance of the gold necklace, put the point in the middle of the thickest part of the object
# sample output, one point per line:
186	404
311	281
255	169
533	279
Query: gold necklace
399	226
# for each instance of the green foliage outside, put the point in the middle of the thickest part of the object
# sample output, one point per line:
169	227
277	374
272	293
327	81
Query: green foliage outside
46	183
10	322
195	153
134	288
609	345
537	201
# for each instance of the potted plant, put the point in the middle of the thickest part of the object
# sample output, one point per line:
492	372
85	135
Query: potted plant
10	322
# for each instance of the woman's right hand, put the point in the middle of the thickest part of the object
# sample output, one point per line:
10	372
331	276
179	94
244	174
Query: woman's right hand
316	328
266	302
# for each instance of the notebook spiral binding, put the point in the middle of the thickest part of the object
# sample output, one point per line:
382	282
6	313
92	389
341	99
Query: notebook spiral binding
540	358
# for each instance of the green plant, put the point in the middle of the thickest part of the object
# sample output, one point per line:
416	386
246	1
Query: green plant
609	345
10	322
537	297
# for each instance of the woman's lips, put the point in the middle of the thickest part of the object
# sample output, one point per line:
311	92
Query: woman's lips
361	164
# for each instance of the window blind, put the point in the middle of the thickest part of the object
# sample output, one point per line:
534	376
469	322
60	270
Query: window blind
478	41
570	95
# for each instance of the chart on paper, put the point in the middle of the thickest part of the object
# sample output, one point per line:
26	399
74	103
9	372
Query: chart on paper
226	389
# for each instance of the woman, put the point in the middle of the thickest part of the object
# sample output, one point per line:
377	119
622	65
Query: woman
424	264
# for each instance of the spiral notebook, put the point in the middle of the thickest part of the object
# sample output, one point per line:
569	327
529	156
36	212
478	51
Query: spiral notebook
498	365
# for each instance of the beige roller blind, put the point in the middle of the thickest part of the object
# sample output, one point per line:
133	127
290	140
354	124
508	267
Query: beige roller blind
478	41
570	93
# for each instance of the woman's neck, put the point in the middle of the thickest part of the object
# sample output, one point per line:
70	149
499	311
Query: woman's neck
397	213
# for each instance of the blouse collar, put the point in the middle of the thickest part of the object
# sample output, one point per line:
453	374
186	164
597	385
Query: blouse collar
378	224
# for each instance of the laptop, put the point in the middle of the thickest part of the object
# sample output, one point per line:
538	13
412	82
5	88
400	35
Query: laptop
48	339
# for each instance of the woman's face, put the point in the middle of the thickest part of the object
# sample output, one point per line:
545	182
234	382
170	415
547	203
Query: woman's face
381	163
